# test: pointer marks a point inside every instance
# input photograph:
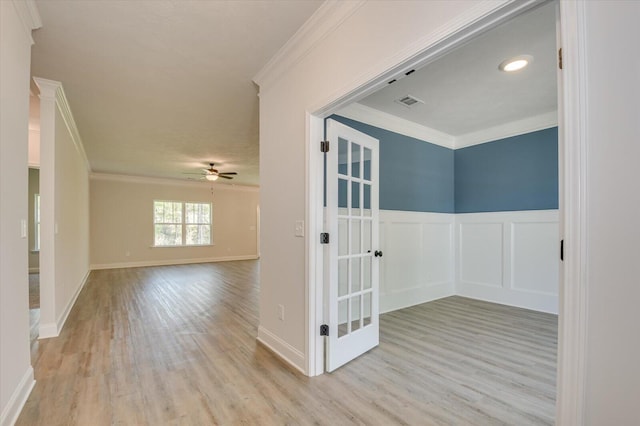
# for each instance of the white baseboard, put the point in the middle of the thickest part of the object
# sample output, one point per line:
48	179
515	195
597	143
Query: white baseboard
171	262
527	300
48	330
415	296
19	397
281	348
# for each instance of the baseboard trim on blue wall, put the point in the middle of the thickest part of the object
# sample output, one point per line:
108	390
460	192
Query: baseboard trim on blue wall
415	296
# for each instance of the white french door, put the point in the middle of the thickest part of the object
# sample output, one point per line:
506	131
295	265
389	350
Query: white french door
353	254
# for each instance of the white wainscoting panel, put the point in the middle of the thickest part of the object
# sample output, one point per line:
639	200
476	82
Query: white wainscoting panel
481	253
534	259
509	257
418	258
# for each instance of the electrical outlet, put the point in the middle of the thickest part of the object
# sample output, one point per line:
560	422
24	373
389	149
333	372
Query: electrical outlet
281	312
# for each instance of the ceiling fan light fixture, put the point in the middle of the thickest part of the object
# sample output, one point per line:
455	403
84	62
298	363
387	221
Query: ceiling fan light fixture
516	63
211	177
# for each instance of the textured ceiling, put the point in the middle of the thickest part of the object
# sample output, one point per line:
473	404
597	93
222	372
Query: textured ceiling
464	91
163	87
159	88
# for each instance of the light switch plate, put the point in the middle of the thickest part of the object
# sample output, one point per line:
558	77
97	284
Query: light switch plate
299	228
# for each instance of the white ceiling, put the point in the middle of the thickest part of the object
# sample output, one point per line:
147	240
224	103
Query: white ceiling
162	87
464	92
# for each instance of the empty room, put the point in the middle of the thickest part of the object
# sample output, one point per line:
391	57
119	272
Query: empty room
317	212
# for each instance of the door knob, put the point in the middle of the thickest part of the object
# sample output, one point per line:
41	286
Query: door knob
377	253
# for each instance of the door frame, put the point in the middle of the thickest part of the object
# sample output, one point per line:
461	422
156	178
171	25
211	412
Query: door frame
573	295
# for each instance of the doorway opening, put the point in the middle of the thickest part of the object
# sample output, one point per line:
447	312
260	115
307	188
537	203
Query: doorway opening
545	299
34	219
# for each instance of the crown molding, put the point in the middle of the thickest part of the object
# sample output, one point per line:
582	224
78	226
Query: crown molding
51	89
67	115
168	181
29	16
514	128
383	120
330	15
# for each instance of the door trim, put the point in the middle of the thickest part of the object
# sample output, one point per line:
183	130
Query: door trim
572	327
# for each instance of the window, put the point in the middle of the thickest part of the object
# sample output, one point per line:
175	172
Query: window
36	222
181	224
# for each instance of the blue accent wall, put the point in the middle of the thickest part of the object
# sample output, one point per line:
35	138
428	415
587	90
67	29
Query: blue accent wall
414	175
511	174
516	173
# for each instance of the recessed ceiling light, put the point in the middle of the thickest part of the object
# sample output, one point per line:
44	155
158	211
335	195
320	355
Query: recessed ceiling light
515	64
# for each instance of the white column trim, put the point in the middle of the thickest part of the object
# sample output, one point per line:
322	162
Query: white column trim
47	204
55	89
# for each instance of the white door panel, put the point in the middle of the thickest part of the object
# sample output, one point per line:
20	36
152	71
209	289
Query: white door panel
352	219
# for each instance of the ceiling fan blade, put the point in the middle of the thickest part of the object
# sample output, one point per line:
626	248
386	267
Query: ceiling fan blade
227	173
225	177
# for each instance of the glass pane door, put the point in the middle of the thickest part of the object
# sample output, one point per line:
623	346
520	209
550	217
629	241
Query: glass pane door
352	213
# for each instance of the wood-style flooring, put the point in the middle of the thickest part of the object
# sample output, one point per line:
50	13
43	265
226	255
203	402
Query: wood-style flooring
176	345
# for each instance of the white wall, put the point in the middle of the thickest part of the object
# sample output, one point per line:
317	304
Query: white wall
64	209
122	221
355	47
17	19
510	258
613	208
417	265
364	45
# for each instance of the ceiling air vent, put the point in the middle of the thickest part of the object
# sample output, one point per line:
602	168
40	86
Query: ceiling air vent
409	101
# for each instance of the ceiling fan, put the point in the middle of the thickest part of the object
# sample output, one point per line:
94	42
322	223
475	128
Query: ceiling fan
212	174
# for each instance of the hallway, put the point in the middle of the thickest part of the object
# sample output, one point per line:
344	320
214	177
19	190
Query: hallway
176	345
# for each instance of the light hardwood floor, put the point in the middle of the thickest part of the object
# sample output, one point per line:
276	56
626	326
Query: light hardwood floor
176	345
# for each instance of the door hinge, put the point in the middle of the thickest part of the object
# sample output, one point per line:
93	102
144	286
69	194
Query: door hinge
324	238
560	58
324	146
562	250
324	330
